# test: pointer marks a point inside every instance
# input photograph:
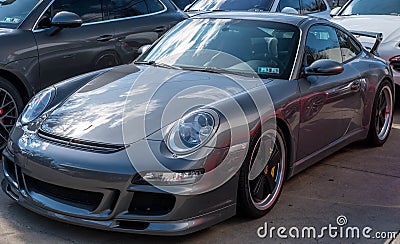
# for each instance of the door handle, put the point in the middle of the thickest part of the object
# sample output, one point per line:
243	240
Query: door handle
105	38
160	29
356	85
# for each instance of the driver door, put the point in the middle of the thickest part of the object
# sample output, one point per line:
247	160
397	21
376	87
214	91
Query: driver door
73	51
329	103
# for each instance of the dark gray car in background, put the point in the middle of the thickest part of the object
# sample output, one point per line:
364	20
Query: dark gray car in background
45	41
199	128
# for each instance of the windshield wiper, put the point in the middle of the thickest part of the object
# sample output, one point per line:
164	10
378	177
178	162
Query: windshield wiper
215	70
156	64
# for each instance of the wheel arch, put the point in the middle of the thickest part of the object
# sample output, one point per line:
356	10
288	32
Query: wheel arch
25	91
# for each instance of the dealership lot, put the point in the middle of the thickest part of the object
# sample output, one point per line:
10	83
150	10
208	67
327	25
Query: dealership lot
360	183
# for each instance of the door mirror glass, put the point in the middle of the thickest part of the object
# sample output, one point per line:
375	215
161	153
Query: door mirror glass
66	19
335	11
143	49
324	67
289	10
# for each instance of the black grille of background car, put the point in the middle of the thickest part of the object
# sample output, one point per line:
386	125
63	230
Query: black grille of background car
77	198
144	203
395	65
80	144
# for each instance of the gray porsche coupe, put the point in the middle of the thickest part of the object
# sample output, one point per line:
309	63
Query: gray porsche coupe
208	122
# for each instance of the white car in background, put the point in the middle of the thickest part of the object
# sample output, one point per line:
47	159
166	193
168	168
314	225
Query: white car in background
317	8
382	16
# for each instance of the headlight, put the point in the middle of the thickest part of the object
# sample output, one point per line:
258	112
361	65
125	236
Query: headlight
191	132
37	105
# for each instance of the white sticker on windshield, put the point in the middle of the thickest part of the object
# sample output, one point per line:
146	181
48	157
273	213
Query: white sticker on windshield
13	20
268	70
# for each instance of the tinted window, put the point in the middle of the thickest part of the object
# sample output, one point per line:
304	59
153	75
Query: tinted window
12	13
127	8
322	43
289	3
348	46
89	10
309	6
154	6
262	47
375	7
208	5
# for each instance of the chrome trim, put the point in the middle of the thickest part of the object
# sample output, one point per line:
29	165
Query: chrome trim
297	54
103	21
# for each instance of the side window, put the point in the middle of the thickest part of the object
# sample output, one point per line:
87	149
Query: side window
348	46
154	6
89	10
127	8
309	6
322	43
289	3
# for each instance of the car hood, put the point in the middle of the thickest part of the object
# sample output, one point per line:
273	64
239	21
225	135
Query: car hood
388	25
139	100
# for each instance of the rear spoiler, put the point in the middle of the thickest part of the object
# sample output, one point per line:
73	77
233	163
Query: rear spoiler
378	39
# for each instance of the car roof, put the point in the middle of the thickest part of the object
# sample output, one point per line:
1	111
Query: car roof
293	19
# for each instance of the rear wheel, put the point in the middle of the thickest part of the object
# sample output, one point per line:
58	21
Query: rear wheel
263	174
382	115
11	105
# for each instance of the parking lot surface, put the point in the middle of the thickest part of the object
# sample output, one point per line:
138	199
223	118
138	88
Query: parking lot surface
358	183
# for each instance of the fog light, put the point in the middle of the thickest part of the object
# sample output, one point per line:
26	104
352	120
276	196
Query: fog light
171	178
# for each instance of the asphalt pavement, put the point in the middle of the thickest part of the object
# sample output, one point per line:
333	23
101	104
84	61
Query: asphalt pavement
359	187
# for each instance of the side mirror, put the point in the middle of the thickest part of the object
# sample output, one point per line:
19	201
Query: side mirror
66	19
289	10
335	11
143	49
324	67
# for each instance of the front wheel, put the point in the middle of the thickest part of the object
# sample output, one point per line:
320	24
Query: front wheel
262	174
11	105
382	115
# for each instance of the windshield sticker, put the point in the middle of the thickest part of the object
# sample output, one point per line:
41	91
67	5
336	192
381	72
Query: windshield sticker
268	70
13	20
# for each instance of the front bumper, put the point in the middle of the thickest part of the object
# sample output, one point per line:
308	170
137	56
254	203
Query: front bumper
95	190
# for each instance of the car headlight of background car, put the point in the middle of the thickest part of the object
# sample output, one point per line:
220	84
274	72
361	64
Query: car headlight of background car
192	132
37	105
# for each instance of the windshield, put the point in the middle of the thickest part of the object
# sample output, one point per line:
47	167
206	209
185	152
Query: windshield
13	12
368	7
247	47
212	5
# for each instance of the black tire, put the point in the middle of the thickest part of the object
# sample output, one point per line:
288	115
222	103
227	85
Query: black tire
381	115
11	105
251	202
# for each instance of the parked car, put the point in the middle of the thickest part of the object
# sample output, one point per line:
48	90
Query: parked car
185	137
44	42
182	3
375	16
317	8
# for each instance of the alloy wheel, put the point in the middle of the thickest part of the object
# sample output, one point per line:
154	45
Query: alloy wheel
270	153
8	115
384	113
